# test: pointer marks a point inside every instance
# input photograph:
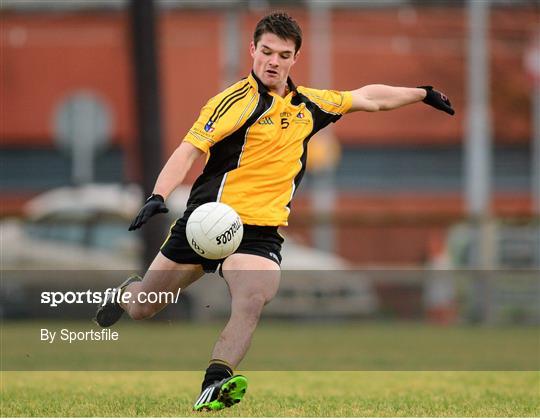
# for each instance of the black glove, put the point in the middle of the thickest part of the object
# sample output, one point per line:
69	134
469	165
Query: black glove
437	100
153	205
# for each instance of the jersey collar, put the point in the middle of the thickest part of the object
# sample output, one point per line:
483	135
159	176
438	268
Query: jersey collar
257	84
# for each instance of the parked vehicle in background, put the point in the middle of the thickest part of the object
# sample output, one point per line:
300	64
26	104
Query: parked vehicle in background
84	230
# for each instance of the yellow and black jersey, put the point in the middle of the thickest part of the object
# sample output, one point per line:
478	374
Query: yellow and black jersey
257	146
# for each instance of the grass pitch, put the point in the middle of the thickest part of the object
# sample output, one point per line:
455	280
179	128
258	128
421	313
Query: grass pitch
275	394
294	370
277	346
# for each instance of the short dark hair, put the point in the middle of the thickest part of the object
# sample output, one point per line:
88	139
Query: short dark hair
280	24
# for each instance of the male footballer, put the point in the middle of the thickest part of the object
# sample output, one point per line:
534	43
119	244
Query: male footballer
255	135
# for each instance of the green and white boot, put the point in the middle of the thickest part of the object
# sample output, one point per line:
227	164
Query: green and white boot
222	394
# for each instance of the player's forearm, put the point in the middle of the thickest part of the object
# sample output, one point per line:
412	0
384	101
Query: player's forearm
176	168
384	98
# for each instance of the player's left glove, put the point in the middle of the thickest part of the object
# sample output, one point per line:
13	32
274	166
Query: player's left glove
437	100
153	205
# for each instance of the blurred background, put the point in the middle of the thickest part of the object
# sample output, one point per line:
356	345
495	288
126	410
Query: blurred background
95	95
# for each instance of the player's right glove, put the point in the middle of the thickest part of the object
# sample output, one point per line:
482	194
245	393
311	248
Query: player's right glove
437	100
154	204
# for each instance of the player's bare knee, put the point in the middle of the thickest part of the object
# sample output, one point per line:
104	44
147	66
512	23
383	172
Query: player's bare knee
250	305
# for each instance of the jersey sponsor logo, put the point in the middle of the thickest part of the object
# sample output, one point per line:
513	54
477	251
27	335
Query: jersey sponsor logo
301	118
266	121
209	126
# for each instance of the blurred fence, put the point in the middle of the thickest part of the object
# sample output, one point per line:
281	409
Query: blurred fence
398	181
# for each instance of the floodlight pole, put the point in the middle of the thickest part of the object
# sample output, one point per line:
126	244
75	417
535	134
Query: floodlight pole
478	158
535	145
478	147
147	102
231	57
323	194
532	62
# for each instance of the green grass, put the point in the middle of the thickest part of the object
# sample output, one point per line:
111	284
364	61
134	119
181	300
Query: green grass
348	346
275	394
354	369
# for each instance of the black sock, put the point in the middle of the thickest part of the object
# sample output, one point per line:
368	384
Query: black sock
217	371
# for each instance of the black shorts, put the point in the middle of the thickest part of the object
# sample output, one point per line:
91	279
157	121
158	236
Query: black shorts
264	241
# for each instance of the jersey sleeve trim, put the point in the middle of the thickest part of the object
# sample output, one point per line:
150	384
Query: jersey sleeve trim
199	141
321	99
347	102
